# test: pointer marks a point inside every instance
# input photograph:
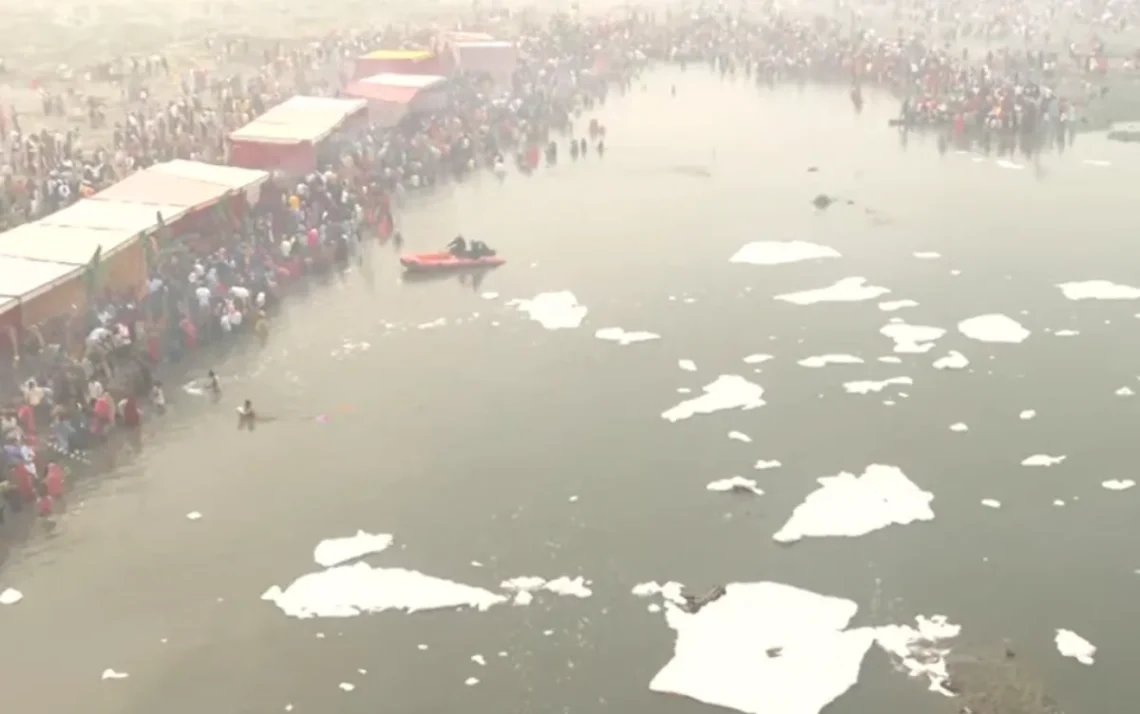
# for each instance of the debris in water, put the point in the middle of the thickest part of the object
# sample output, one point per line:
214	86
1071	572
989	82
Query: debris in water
912	339
525	586
822	201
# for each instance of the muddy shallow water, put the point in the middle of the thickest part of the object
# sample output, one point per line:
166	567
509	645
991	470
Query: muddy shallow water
492	447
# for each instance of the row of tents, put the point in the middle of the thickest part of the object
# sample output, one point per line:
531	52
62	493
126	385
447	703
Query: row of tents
48	267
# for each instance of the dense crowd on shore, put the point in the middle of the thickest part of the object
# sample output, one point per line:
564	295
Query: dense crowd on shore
83	374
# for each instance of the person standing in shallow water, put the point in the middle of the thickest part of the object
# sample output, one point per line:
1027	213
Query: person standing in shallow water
247	417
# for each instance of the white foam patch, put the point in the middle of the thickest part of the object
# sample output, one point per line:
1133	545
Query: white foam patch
1070	644
736	483
489	296
912	339
757	359
1097	162
867	386
927	255
740	436
670	591
767	252
1099	290
351	590
1066	333
524	587
1043	460
954	360
993	328
1027	414
728	391
554	311
1125	392
193	516
918	651
991	503
623	338
10	596
112	674
848	506
764	648
767	464
1118	484
890	359
687	364
846	290
817	361
334	551
960	426
1010	165
892	305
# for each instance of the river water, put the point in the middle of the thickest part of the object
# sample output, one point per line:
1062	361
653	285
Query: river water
491	447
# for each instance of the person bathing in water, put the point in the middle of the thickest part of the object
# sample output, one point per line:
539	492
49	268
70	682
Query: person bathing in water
247	417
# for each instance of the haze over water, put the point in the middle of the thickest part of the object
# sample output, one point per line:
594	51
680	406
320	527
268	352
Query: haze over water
472	433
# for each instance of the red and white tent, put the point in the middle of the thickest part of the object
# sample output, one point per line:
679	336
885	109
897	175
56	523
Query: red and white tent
391	97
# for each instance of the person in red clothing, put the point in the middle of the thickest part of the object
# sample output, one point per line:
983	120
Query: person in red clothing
25	486
26	415
129	408
45	505
53	480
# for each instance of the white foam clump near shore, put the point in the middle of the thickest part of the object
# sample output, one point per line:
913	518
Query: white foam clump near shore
817	361
351	590
768	252
912	339
10	596
728	391
736	483
993	328
554	311
767	464
1118	484
524	587
845	290
1070	644
953	360
1043	460
767	648
1098	290
866	386
687	364
112	674
624	338
892	305
849	506
334	551
757	358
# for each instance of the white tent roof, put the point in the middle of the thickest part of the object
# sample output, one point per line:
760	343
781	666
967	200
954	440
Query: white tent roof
133	218
62	244
230	177
22	279
416	81
299	120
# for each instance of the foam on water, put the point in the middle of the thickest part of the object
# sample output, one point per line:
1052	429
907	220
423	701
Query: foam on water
764	648
728	391
112	674
623	338
917	650
526	586
1118	484
993	328
1125	392
334	551
845	290
554	311
736	483
954	360
867	386
848	506
892	305
1070	644
670	591
1043	460
824	360
927	255
767	464
767	252
991	503
687	364
960	426
1027	414
10	596
740	436
1007	164
351	590
912	339
757	359
1098	290
1066	333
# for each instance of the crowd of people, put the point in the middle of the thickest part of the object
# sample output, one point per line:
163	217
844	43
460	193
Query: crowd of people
81	374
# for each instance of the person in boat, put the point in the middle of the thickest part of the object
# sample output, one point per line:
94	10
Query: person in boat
458	247
479	249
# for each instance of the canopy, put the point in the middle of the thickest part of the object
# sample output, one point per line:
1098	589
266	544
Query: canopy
190	185
399	55
300	120
23	279
397	88
59	244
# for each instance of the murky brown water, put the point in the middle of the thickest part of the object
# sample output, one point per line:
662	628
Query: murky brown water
467	440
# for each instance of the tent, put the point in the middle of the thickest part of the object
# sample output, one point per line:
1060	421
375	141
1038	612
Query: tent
390	96
398	62
497	58
285	138
23	280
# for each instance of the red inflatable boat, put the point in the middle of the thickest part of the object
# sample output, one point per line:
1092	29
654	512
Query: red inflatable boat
443	261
